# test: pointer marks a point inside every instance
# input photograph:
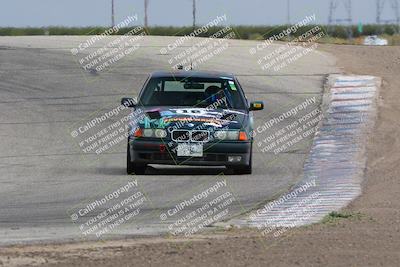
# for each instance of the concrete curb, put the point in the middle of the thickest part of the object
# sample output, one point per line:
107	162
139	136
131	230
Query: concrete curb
334	170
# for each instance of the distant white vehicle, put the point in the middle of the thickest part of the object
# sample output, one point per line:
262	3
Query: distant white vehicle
375	40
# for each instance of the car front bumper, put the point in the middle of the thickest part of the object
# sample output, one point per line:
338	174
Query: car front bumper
214	153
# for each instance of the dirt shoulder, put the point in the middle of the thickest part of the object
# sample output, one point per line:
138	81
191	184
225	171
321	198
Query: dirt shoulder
371	236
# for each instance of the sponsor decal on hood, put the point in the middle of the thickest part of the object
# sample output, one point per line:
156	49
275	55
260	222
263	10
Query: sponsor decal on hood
179	117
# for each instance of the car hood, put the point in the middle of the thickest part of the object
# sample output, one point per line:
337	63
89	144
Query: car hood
188	118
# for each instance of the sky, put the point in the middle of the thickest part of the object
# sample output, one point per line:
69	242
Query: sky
40	13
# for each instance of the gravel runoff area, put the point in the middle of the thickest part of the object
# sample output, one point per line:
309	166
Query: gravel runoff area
364	234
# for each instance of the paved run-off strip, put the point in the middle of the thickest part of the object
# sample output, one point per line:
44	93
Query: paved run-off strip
334	170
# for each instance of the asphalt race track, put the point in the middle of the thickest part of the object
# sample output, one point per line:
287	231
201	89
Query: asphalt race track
44	175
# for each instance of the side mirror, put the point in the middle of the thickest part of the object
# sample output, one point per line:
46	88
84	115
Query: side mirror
128	102
256	105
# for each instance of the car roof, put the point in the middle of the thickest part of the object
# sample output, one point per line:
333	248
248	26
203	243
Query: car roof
195	74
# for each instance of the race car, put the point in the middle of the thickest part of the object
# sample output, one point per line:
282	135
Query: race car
191	118
375	40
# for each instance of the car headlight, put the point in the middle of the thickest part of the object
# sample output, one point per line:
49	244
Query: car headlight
157	133
226	135
147	133
233	135
160	133
220	135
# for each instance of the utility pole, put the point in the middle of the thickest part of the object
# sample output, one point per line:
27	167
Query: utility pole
112	14
194	14
288	16
332	7
146	18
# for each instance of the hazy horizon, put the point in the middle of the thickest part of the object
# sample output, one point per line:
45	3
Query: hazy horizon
75	13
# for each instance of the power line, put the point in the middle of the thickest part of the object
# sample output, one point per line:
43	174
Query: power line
380	6
348	19
334	4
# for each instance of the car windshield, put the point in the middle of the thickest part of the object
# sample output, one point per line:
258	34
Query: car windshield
194	92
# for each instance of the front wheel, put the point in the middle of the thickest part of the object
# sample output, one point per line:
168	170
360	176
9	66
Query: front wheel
132	167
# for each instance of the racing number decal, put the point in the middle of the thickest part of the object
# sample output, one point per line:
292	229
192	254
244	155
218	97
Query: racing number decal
192	111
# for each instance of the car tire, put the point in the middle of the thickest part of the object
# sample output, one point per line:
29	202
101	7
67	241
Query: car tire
245	169
132	167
